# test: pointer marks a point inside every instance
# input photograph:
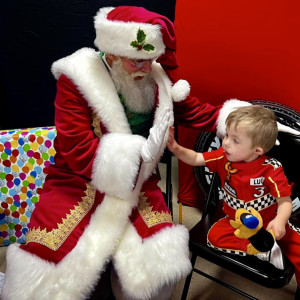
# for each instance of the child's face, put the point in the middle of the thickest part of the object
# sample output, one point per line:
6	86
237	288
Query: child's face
237	145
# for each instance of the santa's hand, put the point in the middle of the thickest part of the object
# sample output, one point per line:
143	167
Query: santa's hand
157	136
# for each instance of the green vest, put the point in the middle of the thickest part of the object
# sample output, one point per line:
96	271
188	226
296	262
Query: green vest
140	123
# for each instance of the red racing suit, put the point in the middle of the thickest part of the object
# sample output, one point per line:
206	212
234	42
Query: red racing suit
256	184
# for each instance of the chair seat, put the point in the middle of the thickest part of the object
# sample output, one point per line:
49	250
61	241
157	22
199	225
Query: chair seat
248	266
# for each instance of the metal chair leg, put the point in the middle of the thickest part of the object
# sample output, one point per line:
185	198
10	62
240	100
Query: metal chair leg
188	279
297	295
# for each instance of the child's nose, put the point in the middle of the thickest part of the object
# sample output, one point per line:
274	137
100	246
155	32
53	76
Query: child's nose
225	142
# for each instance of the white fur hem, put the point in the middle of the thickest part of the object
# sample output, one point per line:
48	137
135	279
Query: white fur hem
29	277
144	267
116	164
227	108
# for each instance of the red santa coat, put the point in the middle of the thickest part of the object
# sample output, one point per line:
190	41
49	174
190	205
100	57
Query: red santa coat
90	208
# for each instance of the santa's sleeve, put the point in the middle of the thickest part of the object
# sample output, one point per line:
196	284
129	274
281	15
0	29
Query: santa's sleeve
76	142
111	162
194	114
190	111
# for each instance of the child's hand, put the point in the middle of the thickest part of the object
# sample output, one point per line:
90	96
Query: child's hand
186	155
278	228
171	143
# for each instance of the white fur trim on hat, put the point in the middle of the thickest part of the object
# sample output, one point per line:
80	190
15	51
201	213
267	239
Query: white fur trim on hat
115	37
227	108
180	90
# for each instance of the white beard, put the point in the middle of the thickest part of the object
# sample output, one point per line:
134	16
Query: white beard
139	94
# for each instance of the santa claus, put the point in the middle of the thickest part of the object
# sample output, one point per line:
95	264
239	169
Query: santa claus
100	201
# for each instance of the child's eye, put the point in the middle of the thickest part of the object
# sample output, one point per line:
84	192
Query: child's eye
235	141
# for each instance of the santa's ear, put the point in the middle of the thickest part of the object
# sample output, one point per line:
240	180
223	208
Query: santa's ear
110	58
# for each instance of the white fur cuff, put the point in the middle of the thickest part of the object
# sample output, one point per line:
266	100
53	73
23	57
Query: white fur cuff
227	108
117	163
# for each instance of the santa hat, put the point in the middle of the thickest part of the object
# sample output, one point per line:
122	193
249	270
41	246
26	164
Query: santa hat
136	33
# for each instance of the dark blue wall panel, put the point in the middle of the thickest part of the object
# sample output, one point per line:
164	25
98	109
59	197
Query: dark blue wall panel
35	33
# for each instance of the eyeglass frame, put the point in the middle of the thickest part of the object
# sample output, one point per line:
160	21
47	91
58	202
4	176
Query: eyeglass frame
139	63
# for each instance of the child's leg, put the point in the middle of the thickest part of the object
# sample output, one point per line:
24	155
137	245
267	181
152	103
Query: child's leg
221	236
290	246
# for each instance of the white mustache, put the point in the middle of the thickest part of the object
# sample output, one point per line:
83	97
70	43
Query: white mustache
138	73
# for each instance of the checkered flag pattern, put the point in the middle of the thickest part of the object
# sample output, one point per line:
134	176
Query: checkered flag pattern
229	251
258	203
273	162
297	229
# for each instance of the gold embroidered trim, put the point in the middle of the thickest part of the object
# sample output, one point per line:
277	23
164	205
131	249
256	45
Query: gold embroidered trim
56	237
152	218
96	125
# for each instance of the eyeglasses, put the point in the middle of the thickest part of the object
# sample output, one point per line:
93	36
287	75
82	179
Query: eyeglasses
139	63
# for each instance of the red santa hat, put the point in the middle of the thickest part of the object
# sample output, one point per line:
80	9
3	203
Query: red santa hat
136	33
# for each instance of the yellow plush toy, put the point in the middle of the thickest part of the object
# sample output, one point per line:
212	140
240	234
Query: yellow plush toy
249	225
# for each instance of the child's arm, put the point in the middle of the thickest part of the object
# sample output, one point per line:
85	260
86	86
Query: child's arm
283	214
188	156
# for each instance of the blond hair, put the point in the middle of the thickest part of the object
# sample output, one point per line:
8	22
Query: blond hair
259	122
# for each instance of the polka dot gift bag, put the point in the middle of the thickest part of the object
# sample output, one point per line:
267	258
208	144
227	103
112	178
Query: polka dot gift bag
25	155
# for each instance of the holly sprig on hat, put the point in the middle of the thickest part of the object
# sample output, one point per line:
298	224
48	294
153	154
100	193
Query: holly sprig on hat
140	42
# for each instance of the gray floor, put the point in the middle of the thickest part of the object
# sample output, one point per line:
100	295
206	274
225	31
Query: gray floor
202	288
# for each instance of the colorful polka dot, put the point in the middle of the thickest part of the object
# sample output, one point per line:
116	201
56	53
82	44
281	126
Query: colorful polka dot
25	156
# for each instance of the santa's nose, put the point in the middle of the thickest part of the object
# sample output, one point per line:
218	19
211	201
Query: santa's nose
147	66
